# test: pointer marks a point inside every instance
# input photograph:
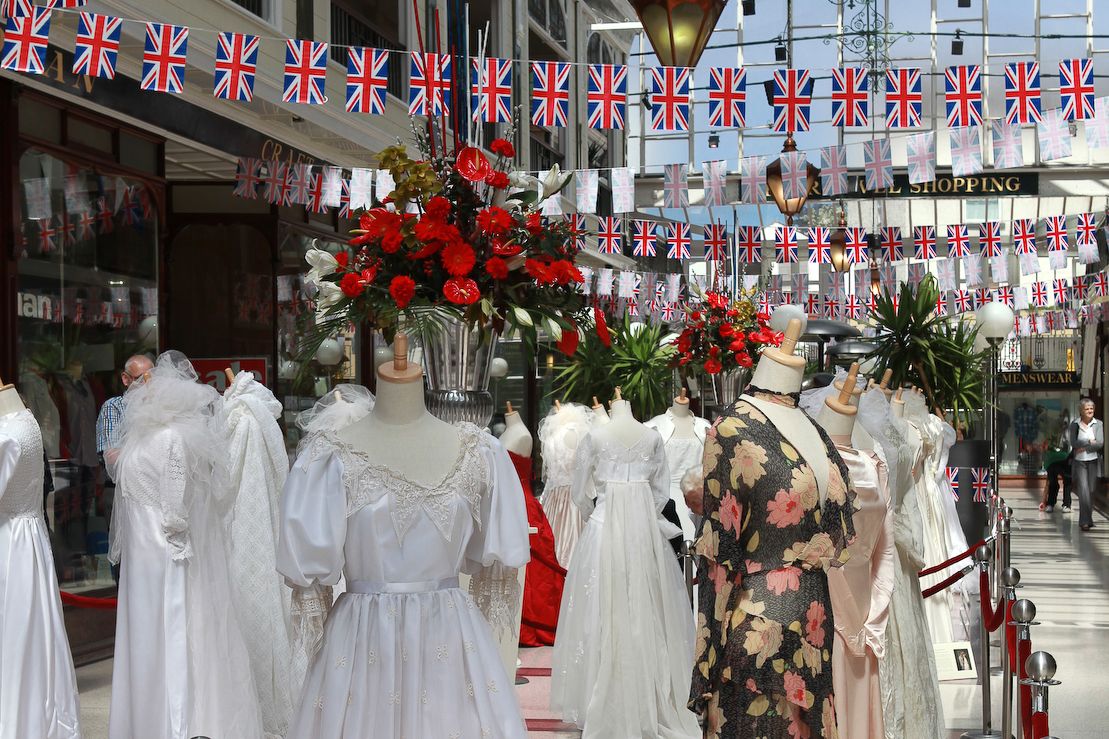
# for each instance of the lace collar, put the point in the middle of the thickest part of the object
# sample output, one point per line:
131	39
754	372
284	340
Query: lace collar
366	481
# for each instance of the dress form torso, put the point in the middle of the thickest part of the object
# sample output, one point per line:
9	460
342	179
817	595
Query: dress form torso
516	437
623	426
682	418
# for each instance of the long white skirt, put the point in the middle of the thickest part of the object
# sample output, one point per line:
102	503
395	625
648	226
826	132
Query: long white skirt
38	687
566	522
407	665
624	649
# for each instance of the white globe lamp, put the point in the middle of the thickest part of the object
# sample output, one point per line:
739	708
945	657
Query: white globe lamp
783	314
498	368
330	353
995	321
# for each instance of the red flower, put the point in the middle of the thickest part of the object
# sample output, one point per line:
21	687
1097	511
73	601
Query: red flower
494	220
539	271
716	300
502	147
738	344
459	259
568	344
713	366
369	274
602	327
402	289
461	291
503	249
534	224
564	272
472	164
743	359
685	341
392	241
343	258
497	268
438	207
497	180
726	330
351	285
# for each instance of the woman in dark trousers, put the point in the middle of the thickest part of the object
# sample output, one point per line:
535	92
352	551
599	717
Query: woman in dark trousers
1087	440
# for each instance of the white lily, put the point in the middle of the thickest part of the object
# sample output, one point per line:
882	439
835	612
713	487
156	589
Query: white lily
555	181
323	263
522	179
329	295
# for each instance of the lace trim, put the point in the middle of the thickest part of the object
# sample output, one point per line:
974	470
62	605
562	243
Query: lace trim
496	591
366	482
309	611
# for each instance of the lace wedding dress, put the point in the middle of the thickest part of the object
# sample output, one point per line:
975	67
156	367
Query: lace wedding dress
625	633
405	653
559	435
38	688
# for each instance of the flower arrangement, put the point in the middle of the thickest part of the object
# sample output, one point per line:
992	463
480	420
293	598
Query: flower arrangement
460	234
722	333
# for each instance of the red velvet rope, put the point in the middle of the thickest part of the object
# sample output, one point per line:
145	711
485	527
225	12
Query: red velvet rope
948	582
1024	648
958	558
991	617
1039	725
83	601
1011	635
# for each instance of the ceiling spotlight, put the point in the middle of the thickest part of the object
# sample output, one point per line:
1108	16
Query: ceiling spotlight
748	7
964	3
780	51
957	44
714	141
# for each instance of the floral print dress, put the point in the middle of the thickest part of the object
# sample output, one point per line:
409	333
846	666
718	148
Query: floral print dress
764	628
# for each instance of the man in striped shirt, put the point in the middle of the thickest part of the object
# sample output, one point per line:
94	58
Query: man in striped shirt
109	422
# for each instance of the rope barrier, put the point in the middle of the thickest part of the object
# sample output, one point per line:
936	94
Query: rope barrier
948	582
991	617
1024	649
944	565
83	601
1039	726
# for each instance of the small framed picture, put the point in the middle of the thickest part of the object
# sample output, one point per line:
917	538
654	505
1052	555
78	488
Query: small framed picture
955	661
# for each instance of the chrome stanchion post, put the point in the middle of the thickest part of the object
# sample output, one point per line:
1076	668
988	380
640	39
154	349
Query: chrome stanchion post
1040	667
687	567
1024	617
1010	578
983	556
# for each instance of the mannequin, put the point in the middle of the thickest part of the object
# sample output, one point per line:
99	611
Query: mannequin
684	437
838	415
623	428
10	402
781	371
897	405
399	428
683	418
516	437
884	384
600	415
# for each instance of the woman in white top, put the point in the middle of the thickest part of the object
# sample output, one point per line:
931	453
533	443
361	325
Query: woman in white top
1087	439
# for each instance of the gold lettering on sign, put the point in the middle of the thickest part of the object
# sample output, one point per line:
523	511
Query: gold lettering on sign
61	72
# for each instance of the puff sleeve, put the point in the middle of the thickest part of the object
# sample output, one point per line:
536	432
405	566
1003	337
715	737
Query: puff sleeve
313	522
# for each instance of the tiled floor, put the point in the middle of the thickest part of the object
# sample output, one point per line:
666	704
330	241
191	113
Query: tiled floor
1064	572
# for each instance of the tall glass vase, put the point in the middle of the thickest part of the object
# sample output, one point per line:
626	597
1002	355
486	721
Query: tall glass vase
457	357
728	386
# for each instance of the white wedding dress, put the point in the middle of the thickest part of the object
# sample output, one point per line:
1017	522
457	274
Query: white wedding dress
259	465
405	653
559	435
621	660
38	688
683	453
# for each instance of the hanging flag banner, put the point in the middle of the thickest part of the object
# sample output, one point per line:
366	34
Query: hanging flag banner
675	186
924	239
623	190
585	185
878	164
904	99
1053	133
833	170
753	180
794	173
945	274
1097	128
972	270
715	175
1008	145
966	151
921	154
361	186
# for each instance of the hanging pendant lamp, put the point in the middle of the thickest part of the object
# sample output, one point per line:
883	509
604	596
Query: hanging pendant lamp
789	206
678	30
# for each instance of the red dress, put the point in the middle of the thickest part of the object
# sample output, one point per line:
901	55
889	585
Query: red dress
545	578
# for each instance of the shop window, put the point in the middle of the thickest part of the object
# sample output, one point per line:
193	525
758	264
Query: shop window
349	29
43	122
140	154
86	299
261	8
88	135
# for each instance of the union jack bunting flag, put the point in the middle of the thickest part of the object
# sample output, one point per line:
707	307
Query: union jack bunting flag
748	243
989	239
792	99
920	149
1056	233
344	200
248	177
964	300
25	42
316	202
1039	294
577	228
924	239
982	296
550	94
966	151
1060	289
1054	136
972	269
727	97
1097	128
585	190
892	248
853	307
833	170
430	84
794	173
361	187
752	179
785	245
850	97
958	240
607	96
1076	88
832	307
952	474
1024	236
15	8
236	66
675	186
812	304
305	72
367	80
1008	145
97	46
941	304
904	99
820	245
48	233
1005	295
716	241
678	241
1022	93
1085	231
670	99
491	89
715	177
878	164
980	483
87	225
643	238
298	184
856	246
164	56
609	236
1097	285
963	93
668	311
623	189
